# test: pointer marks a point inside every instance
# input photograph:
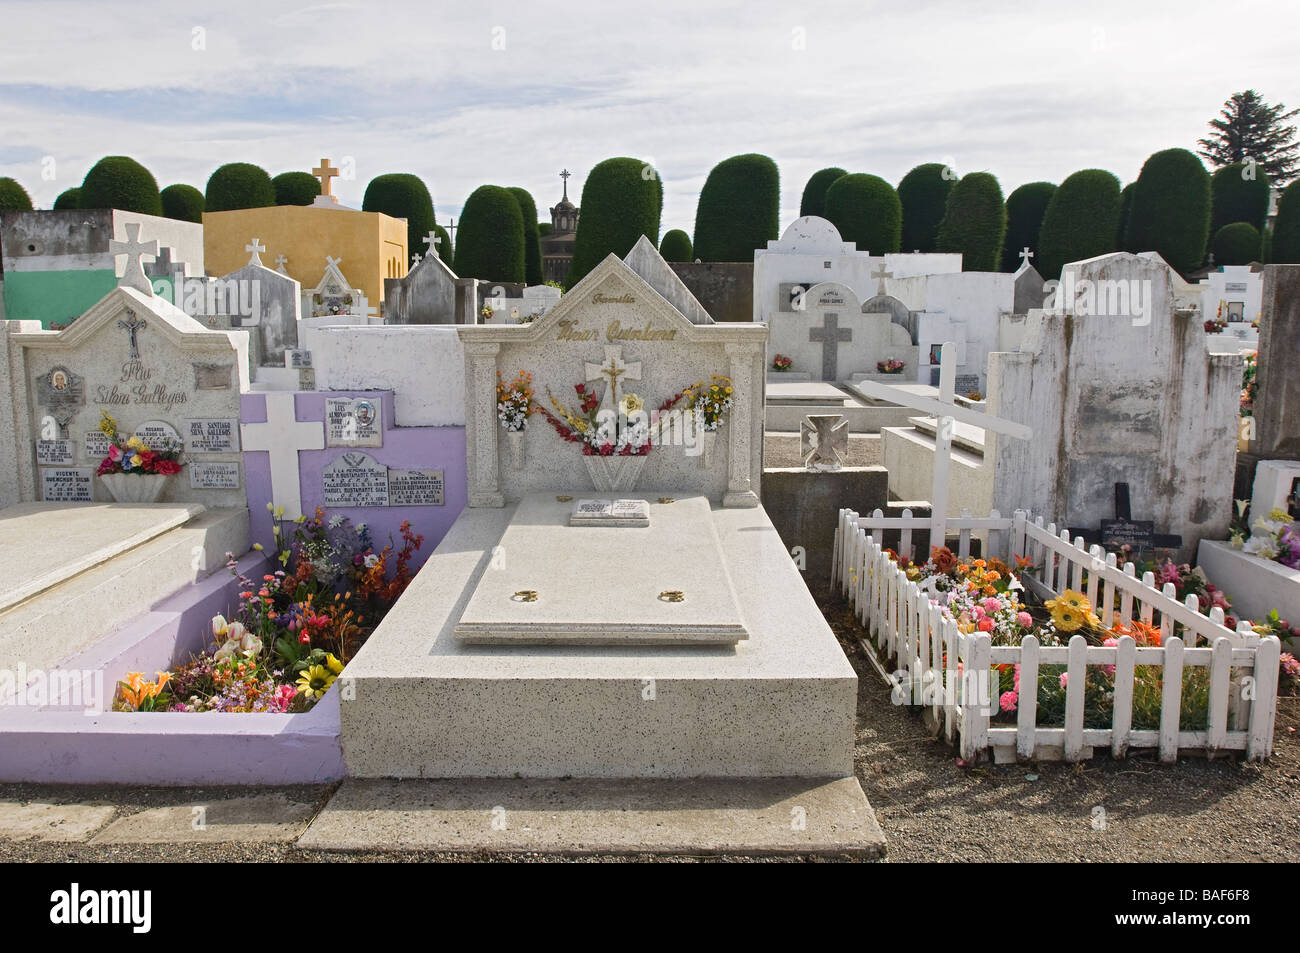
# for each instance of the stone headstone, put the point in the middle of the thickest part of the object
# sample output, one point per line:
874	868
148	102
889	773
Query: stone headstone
212	436
834	337
1277	400
68	484
425	295
270	304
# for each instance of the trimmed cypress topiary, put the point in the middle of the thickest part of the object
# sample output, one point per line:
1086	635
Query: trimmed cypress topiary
814	193
239	185
622	200
68	198
1081	221
532	245
295	188
1171	209
1285	246
13	197
1125	206
739	209
403	195
676	246
1025	209
1237	243
866	210
543	229
122	183
183	202
974	222
490	237
924	193
1239	193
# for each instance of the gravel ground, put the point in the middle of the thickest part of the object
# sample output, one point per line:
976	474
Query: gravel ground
930	809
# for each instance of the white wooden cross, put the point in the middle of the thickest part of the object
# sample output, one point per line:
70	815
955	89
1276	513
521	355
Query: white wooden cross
882	274
1025	255
433	240
613	368
283	436
280	263
946	413
325	172
255	247
366	309
133	275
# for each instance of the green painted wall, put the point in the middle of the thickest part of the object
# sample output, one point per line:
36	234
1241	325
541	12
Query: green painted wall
54	296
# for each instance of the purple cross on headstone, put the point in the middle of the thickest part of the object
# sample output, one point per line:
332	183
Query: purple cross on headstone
830	334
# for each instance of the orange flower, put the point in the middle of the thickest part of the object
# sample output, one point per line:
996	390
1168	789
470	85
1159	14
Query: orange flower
1143	633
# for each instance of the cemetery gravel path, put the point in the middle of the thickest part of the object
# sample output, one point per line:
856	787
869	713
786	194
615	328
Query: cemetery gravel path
930	808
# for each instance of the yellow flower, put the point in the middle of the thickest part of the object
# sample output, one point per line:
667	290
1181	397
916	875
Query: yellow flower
107	425
135	460
315	681
135	443
333	664
258	547
1071	611
630	404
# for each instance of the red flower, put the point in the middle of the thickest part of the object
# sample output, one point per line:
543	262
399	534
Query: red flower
168	467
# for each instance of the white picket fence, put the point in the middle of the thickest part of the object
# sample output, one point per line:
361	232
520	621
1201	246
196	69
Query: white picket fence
953	675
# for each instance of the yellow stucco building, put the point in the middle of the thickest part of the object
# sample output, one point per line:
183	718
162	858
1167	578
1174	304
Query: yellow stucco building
370	246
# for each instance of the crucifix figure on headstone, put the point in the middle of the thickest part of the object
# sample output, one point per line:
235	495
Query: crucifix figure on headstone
613	369
947	413
255	247
325	172
881	275
282	437
830	334
131	326
133	275
280	263
433	240
1025	255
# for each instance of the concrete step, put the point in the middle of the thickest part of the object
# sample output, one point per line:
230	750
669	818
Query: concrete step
576	816
98	566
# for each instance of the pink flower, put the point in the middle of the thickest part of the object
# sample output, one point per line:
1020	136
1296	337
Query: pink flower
1008	701
1065	679
1017	678
985	625
992	606
1290	664
114	452
1110	643
1025	619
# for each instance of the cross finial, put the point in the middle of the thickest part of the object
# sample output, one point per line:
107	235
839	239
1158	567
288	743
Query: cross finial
564	175
415	259
280	263
133	275
881	274
255	247
325	172
1025	255
333	261
452	228
433	240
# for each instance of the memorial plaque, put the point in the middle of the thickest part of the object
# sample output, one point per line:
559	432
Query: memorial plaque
68	484
212	376
1137	534
353	422
97	444
158	435
966	383
610	513
212	435
415	488
62	393
54	453
297	357
355	479
214	476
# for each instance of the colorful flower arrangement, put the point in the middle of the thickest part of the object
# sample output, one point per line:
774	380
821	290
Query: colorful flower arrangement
294	630
133	455
1276	537
891	366
710	402
486	313
1249	382
1215	325
626	433
782	363
515	401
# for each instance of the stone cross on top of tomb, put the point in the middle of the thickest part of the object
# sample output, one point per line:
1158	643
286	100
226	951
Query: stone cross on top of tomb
433	240
613	368
280	262
325	172
880	277
133	275
255	248
1025	255
945	412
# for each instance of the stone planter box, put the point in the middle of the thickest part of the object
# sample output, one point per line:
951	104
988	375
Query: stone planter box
1256	586
49	744
135	488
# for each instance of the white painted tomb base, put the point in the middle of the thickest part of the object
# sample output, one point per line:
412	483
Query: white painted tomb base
789	401
426	705
1255	585
605	585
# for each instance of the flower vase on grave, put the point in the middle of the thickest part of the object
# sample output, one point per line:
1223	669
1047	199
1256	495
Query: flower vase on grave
614	472
135	488
515	444
708	439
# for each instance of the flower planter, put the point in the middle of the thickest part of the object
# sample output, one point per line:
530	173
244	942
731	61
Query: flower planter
515	448
133	488
614	473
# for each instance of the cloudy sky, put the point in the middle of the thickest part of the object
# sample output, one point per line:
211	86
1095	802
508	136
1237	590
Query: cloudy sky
511	92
